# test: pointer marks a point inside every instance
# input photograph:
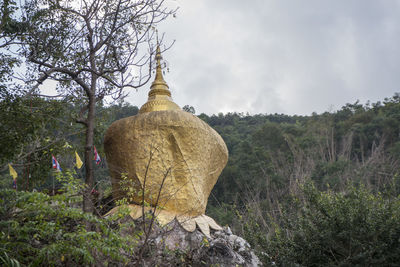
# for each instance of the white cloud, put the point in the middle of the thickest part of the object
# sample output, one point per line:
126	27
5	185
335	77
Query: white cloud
293	57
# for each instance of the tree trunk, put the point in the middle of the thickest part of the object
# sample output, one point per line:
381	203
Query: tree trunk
89	176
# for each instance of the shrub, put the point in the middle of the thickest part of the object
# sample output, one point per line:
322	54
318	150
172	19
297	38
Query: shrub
37	229
351	228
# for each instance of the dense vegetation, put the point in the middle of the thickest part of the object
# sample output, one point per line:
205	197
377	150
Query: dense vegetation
314	190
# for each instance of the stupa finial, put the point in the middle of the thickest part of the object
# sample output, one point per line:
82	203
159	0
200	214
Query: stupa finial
159	95
159	79
159	82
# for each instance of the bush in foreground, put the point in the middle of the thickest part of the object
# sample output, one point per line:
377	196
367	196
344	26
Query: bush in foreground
37	229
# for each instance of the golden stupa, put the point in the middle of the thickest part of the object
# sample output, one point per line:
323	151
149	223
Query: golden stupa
171	155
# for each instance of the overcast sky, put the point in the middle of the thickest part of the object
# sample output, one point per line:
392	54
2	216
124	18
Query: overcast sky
281	56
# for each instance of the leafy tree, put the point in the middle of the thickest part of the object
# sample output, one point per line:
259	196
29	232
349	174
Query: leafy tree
10	29
120	111
30	131
91	48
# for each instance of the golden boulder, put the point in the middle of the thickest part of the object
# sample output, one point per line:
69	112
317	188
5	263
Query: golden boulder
165	160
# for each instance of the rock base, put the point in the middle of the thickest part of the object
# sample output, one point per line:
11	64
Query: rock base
172	245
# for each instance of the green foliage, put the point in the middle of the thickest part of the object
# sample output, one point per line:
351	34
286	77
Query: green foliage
30	131
269	153
224	213
5	260
37	229
351	228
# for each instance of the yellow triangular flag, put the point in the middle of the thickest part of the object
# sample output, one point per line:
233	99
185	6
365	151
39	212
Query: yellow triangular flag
13	173
79	162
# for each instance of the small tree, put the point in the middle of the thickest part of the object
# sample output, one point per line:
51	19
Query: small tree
91	48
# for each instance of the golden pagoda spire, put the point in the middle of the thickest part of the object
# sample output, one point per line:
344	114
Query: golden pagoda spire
159	76
159	95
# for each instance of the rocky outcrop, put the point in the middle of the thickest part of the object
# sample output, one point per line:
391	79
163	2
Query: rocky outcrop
172	245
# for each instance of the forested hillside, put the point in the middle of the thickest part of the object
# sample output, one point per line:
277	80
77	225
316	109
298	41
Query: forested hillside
271	154
314	190
308	190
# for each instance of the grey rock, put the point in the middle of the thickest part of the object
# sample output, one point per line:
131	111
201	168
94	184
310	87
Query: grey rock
172	245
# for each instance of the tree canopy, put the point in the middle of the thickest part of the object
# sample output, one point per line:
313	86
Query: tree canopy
93	49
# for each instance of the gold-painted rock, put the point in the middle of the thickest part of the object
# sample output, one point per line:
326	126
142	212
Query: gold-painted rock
171	154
